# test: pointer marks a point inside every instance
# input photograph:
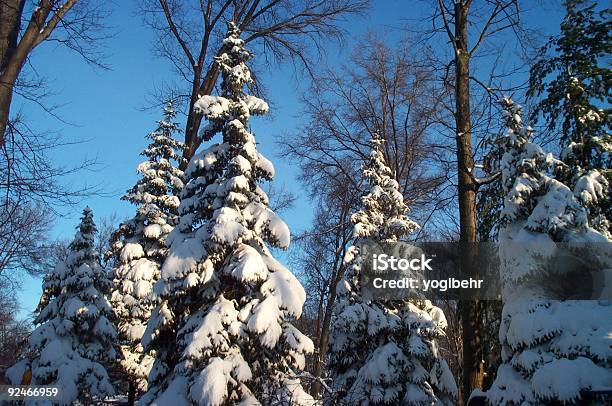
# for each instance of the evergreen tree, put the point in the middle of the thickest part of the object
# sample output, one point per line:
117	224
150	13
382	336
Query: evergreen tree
139	247
575	87
74	335
385	352
551	349
222	331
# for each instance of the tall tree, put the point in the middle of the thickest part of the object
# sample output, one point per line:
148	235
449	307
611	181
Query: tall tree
389	91
385	352
189	34
139	247
74	335
222	332
552	350
457	21
574	90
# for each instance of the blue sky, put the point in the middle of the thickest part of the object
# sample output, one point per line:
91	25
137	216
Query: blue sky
106	108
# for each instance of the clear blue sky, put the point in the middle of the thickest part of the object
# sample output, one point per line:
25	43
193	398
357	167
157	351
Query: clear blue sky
106	108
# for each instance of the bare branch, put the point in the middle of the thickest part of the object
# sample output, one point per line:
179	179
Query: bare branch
175	32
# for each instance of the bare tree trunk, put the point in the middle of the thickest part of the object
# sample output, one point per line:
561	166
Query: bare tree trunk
131	394
10	24
470	310
192	141
6	96
324	333
7	83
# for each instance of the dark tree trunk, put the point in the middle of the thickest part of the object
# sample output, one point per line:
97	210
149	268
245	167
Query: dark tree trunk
338	267
131	394
192	140
326	326
14	51
10	24
470	310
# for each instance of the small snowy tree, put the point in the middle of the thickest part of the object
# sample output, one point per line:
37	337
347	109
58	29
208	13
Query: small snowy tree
222	331
551	350
385	352
74	335
139	247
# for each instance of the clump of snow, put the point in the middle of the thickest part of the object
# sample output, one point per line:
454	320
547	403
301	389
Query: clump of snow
256	105
212	107
131	251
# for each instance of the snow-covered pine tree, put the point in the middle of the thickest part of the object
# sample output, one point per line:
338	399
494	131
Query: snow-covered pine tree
551	350
223	330
385	352
139	247
74	335
574	85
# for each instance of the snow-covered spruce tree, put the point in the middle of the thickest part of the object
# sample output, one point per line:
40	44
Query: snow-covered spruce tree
224	295
574	86
385	352
74	335
551	350
139	247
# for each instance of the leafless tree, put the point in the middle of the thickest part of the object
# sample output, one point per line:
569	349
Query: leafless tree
319	259
384	91
391	93
189	34
30	192
30	181
27	175
23	27
24	241
469	26
13	332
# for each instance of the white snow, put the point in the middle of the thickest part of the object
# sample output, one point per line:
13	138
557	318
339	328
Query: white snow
212	107
152	231
183	259
131	251
256	105
247	265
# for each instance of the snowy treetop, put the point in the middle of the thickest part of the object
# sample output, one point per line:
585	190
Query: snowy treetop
531	190
383	216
